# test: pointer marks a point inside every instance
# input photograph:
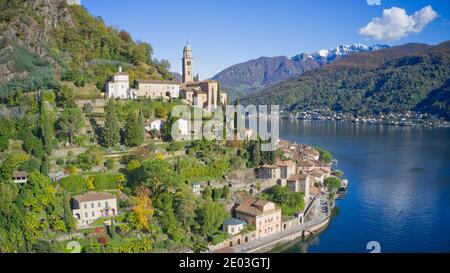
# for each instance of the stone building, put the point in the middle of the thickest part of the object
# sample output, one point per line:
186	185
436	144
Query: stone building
89	207
269	172
156	89
203	94
263	215
188	73
300	183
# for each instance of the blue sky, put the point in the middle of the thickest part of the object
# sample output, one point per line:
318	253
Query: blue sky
226	32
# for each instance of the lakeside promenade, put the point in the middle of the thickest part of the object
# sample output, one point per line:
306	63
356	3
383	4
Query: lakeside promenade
284	236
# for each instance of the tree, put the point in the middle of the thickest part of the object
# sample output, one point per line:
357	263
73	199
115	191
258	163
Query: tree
333	183
112	229
325	156
69	123
143	209
111	131
46	127
65	98
210	217
133	135
88	108
161	112
196	78
184	207
141	127
225	192
255	153
109	164
68	218
217	194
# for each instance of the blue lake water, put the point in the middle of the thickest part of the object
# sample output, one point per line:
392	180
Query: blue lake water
399	192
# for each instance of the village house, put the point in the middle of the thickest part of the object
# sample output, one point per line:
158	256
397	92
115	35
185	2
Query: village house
318	176
322	166
312	153
234	226
263	215
287	168
269	172
305	166
89	207
153	124
119	86
300	183
20	177
156	89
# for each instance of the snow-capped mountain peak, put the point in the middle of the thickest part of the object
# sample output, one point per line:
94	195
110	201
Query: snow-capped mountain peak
329	55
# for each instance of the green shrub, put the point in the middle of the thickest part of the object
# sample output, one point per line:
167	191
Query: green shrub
109	164
60	161
217	238
73	184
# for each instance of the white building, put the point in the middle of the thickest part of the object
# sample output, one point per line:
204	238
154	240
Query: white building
20	177
119	86
183	127
196	188
89	207
155	89
153	124
234	226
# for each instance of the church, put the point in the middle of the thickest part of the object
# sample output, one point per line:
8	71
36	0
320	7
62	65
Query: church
204	94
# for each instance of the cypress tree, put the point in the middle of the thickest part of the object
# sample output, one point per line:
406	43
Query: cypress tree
111	134
45	127
131	137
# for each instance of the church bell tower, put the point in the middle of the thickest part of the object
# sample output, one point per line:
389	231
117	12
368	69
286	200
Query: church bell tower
187	64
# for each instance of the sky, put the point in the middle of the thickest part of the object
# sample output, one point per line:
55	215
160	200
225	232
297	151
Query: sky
226	32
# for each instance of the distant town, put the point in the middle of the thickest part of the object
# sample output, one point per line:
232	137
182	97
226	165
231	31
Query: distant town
408	118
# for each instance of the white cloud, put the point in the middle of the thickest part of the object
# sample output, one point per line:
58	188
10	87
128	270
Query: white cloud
395	23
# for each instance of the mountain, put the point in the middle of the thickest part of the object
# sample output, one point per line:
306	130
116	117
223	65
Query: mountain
45	42
255	75
396	79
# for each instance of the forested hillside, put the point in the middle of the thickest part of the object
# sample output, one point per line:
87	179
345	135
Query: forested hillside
402	78
45	42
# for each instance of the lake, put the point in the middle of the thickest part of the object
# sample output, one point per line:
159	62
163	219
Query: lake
399	192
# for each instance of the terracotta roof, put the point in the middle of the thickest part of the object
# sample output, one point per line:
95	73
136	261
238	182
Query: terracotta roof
251	206
306	163
317	173
93	196
286	163
297	177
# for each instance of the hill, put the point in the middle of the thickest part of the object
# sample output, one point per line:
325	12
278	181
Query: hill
254	75
402	78
43	42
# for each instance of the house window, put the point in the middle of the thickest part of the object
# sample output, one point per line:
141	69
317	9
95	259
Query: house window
86	215
99	204
92	205
85	206
93	214
106	204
